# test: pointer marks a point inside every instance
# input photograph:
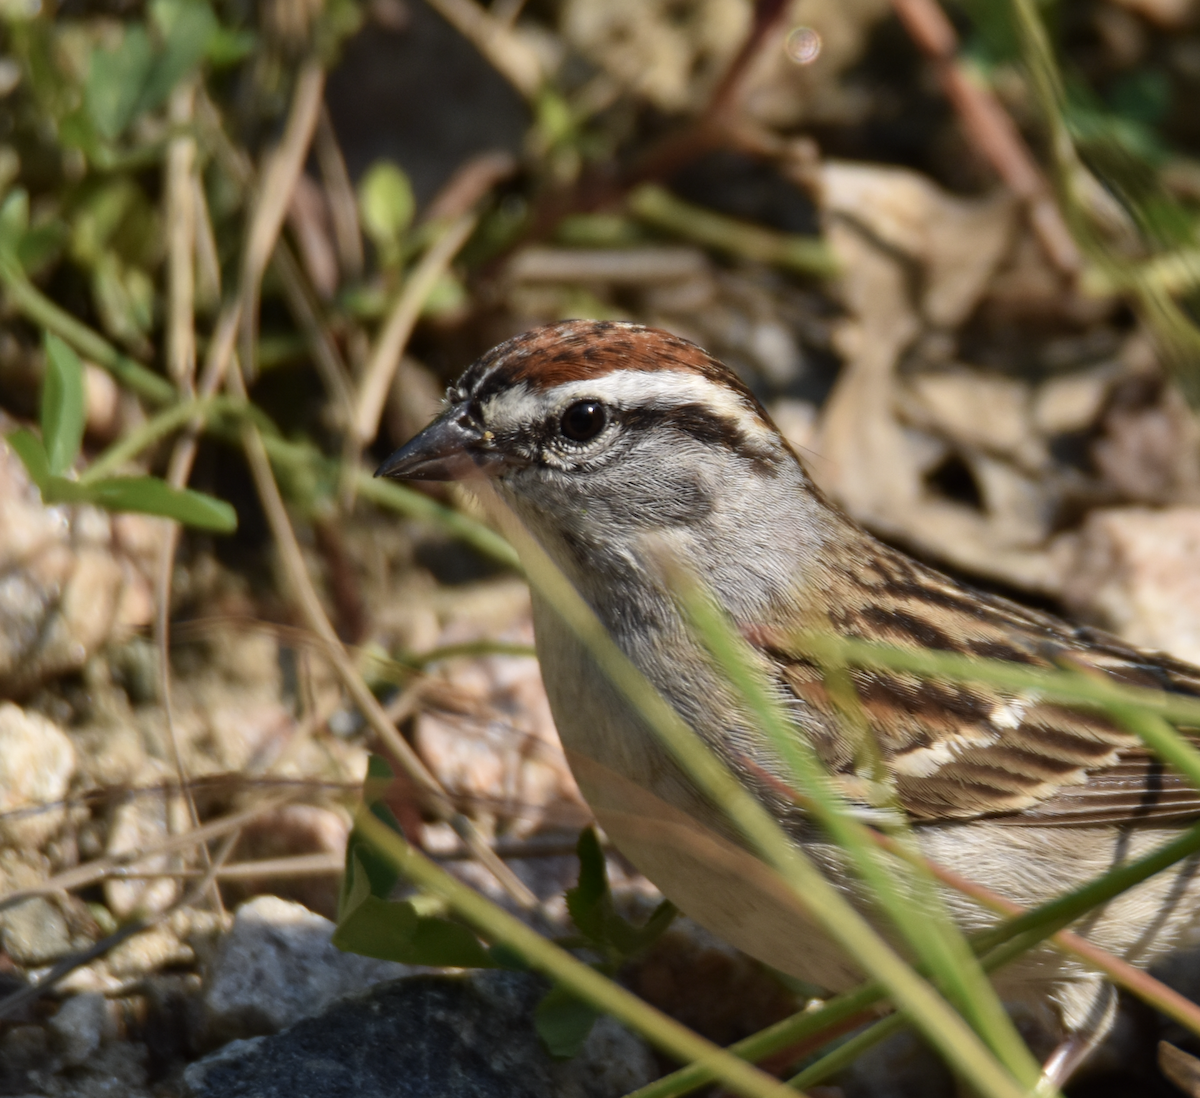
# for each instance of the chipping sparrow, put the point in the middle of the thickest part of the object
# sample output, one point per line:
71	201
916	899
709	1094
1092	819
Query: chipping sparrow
611	441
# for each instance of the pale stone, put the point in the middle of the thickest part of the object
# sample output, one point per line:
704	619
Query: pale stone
278	965
1137	573
37	761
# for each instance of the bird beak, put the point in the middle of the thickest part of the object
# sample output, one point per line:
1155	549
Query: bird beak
450	448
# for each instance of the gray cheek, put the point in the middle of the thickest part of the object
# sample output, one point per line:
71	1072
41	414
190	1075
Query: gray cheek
665	497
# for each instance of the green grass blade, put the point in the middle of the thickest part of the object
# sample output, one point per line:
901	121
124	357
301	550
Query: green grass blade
64	405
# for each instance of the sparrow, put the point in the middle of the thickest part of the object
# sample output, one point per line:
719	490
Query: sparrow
615	443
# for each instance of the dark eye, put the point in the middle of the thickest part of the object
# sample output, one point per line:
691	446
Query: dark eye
584	420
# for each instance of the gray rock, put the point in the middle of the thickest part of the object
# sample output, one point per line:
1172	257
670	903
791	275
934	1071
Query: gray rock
278	965
79	1026
426	1037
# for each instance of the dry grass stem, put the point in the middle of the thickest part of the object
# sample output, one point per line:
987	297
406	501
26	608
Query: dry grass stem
274	195
402	318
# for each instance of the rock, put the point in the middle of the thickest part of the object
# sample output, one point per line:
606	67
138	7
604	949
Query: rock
24	1056
148	952
435	1036
139	824
37	762
34	933
117	1068
1137	573
81	1023
278	965
71	581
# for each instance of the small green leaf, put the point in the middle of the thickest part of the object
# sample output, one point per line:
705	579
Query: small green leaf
64	405
367	868
504	956
151	496
229	46
14	220
590	905
588	901
386	205
563	1022
188	26
116	80
29	449
391	930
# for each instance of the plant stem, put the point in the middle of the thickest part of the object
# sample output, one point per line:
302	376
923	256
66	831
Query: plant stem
46	314
807	255
126	449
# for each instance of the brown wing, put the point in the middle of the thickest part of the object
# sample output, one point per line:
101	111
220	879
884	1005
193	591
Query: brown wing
963	751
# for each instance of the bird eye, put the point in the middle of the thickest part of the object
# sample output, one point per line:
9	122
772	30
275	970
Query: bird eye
583	420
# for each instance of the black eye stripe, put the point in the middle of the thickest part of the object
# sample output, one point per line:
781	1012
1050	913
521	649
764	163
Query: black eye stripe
704	425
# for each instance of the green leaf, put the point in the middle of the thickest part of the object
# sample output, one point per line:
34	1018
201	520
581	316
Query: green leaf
116	80
135	77
229	46
589	901
188	26
386	205
151	496
28	447
590	905
14	219
563	1022
64	405
378	873
393	930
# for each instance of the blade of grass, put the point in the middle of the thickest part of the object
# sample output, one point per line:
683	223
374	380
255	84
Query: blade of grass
46	314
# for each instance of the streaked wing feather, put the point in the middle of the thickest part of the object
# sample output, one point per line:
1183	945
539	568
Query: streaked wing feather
965	751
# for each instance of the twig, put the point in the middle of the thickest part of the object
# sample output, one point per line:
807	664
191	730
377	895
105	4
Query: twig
509	54
181	366
807	254
181	235
343	207
470	182
720	113
82	876
278	180
989	126
389	346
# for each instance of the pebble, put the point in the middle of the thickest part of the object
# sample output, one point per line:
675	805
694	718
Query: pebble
278	965
81	1023
1137	573
37	761
34	933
